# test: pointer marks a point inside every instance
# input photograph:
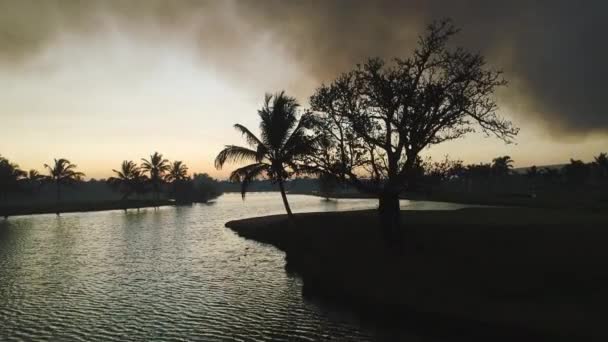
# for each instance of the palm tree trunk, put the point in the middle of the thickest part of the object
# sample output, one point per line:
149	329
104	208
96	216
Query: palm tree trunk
284	196
58	196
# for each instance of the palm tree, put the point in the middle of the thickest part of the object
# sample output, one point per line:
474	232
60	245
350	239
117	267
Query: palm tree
10	177
283	140
62	172
157	166
502	165
178	173
35	180
532	172
577	172
127	179
601	163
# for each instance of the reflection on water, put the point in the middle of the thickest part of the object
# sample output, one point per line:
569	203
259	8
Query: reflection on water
170	274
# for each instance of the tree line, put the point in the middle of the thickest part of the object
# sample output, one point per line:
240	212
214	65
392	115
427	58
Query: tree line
155	175
575	172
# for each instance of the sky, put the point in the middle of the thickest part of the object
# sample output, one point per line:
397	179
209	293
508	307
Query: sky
99	82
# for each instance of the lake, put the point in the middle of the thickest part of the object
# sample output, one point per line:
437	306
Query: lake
172	274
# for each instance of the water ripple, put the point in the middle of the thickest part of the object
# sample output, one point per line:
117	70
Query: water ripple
174	274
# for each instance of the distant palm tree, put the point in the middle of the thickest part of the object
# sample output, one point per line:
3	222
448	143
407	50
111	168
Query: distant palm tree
550	174
34	175
532	172
128	179
283	139
157	166
35	180
178	171
177	174
10	177
477	171
577	172
502	165
62	172
601	163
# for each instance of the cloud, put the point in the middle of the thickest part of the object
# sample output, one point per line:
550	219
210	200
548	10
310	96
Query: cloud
552	51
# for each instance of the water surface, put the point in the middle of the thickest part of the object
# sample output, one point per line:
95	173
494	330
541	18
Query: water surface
172	274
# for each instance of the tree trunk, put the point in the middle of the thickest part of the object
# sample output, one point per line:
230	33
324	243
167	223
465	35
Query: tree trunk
390	216
284	196
58	197
156	195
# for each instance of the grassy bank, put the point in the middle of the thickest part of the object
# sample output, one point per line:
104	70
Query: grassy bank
554	200
521	271
69	207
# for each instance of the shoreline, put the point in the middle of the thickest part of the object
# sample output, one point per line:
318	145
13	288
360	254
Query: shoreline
509	200
77	207
530	272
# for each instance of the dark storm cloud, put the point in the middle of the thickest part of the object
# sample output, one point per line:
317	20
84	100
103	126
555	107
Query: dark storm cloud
553	52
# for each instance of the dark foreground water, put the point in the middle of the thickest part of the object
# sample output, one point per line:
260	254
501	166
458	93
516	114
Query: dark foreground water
173	274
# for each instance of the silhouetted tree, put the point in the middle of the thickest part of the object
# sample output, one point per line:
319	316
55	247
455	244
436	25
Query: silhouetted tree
601	164
157	166
35	180
62	172
128	179
10	177
532	172
282	141
436	173
550	174
178	171
479	171
577	172
178	174
205	187
502	166
327	185
444	170
380	117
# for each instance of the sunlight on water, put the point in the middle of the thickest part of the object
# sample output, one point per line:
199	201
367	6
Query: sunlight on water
171	274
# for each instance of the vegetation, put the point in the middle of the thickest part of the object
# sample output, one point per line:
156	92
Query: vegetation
27	192
177	175
200	188
373	121
502	166
327	185
156	166
129	179
178	171
601	165
62	172
282	142
10	178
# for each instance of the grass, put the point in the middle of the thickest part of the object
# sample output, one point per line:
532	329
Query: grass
566	198
535	271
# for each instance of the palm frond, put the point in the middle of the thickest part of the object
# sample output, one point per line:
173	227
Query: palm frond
251	139
232	153
277	118
246	174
